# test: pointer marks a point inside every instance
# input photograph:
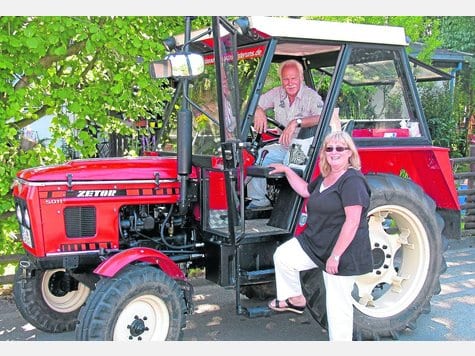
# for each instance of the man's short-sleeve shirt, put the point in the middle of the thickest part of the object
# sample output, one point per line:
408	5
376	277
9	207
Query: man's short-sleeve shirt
307	103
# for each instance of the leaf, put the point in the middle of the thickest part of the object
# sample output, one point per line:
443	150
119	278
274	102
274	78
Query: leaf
60	51
32	43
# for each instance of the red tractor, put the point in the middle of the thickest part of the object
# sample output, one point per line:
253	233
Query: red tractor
109	241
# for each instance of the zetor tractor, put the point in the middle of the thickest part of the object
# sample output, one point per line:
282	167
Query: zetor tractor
109	242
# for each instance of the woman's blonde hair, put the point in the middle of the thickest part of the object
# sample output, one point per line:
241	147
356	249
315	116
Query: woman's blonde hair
345	139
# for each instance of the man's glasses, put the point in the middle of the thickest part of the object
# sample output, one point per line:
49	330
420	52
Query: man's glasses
336	148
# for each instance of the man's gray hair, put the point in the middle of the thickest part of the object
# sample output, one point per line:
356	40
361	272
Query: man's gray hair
291	63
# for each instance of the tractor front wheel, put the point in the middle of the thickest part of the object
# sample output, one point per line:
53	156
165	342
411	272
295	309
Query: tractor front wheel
141	303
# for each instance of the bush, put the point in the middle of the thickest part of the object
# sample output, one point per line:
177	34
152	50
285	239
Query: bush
444	126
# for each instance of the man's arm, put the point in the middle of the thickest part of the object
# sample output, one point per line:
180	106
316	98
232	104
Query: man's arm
266	101
288	134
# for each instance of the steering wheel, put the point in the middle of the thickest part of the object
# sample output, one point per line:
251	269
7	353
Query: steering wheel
257	141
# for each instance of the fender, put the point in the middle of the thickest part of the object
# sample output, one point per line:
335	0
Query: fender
114	264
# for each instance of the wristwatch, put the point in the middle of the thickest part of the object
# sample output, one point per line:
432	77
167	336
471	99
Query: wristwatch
336	257
299	122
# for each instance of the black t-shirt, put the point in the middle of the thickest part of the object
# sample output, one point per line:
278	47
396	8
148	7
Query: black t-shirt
326	216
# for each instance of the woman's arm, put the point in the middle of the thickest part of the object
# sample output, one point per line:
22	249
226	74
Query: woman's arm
347	234
295	181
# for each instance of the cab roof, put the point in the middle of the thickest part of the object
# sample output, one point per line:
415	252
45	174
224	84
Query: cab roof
301	37
328	31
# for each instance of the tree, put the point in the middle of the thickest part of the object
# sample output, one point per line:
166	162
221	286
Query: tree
417	28
451	32
457	33
81	70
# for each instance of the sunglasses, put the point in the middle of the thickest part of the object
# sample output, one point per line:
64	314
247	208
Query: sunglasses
336	148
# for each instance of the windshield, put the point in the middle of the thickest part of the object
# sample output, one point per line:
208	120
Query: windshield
375	96
237	76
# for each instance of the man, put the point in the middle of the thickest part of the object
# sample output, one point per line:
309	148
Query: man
295	105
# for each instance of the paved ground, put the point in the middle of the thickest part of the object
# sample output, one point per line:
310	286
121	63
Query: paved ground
452	317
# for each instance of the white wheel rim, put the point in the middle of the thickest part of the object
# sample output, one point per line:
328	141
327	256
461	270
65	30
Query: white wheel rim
402	262
145	318
67	303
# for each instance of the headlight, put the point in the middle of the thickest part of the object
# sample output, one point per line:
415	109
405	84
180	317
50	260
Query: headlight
26	236
19	216
27	219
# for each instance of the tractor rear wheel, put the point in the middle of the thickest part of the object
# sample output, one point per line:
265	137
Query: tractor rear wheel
49	299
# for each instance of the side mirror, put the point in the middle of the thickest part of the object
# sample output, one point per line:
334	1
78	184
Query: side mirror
178	65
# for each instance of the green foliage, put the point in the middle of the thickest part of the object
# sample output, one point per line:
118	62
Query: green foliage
350	102
80	70
443	125
457	33
417	28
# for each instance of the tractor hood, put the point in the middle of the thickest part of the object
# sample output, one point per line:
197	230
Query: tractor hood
106	169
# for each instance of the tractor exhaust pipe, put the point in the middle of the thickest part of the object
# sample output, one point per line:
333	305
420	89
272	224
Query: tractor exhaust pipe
184	133
184	155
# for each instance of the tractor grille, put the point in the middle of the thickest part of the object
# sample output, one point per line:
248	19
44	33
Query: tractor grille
80	221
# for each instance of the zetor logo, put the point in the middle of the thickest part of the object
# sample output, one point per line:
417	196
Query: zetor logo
96	193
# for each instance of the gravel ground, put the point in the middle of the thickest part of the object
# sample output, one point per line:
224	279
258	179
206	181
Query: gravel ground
452	317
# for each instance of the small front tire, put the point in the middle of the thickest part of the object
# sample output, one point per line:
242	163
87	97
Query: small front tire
141	303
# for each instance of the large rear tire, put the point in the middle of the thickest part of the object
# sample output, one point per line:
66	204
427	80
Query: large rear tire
408	246
141	303
49	300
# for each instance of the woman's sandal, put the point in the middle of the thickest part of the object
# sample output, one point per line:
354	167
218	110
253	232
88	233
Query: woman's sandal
275	305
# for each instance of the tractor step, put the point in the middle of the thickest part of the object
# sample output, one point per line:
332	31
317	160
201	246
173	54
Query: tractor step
255	312
259	274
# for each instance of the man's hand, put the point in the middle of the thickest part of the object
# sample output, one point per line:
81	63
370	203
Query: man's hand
287	135
260	121
335	122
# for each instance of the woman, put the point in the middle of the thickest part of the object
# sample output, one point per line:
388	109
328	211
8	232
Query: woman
336	238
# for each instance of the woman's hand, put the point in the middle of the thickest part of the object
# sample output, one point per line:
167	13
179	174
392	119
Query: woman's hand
277	168
332	265
296	182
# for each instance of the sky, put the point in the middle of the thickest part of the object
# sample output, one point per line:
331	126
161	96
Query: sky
240	7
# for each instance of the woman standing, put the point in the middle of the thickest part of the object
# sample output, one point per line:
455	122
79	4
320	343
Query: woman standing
336	238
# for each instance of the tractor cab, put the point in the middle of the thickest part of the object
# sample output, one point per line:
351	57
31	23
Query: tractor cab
361	71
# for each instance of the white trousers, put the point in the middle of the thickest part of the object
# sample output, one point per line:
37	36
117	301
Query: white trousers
289	260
